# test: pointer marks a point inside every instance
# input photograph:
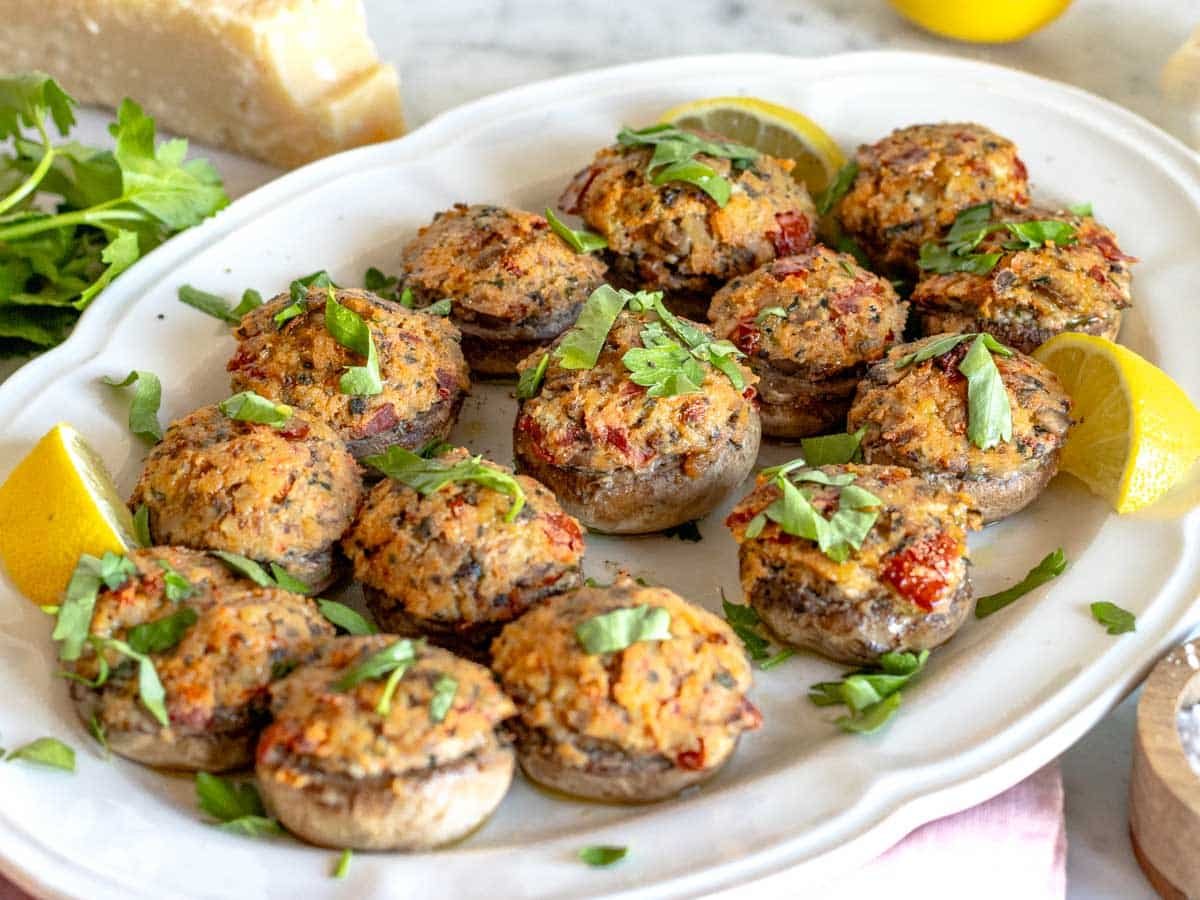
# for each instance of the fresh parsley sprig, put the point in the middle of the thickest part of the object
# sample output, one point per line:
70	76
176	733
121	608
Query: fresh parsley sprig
45	751
793	512
109	207
143	408
871	694
744	621
350	330
674	158
989	411
583	341
955	252
427	476
237	807
247	406
1115	619
611	632
392	661
582	241
1052	565
218	307
838	188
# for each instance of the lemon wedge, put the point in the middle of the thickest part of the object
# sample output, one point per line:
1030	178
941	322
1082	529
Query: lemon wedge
982	21
58	503
1137	432
769	127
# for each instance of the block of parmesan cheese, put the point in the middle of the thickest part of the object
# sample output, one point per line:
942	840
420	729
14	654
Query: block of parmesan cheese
286	81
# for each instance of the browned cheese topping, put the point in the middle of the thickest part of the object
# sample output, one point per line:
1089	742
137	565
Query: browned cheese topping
598	419
684	698
320	731
300	364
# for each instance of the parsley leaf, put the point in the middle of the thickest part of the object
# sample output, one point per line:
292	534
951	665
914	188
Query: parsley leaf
442	307
989	413
1113	617
248	406
246	567
348	329
150	689
832	449
698	175
45	751
583	341
392	661
345	618
1051	566
427	476
1080	209
531	378
837	189
674	158
385	286
602	855
621	628
664	367
583	241
1031	235
872	695
143	409
218	307
745	621
74	618
444	691
237	807
938	259
794	513
160	635
342	868
972	225
768	312
175	586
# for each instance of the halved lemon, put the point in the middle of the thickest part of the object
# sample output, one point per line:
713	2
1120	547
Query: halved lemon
982	21
769	127
1137	432
58	503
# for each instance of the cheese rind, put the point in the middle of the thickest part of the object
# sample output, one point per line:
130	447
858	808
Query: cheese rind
287	81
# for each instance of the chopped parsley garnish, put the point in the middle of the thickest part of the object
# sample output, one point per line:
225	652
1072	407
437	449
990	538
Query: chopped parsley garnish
955	252
1051	566
236	806
298	296
764	314
218	307
674	158
531	378
1080	209
98	732
667	363
832	449
141	526
744	621
793	512
583	341
393	661
444	691
621	628
837	189
989	411
342	868
349	620
175	586
46	751
143	408
580	241
1113	617
442	307
160	635
602	855
278	576
75	613
348	329
248	406
871	694
73	217
385	286
150	689
427	476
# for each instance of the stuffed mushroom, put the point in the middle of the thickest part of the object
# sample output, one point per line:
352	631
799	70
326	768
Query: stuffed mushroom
215	642
1052	272
910	186
280	494
643	435
915	407
383	743
906	586
809	326
514	285
673	236
624	693
287	352
458	562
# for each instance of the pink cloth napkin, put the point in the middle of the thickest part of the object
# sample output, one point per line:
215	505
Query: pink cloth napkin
1012	846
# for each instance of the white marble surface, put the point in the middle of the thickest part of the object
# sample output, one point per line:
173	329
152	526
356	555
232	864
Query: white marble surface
451	51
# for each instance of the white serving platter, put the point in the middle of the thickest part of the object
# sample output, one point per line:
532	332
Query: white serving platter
1004	697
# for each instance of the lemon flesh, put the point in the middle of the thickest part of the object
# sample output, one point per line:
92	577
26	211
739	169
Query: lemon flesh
58	503
981	21
770	128
1136	434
